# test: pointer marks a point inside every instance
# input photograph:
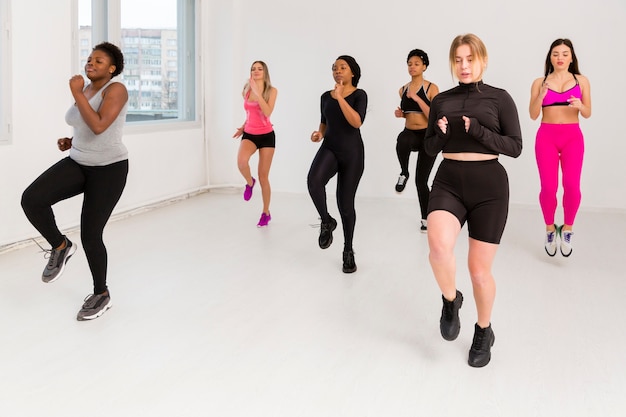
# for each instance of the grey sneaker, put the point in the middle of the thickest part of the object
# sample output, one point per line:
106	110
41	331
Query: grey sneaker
95	305
56	262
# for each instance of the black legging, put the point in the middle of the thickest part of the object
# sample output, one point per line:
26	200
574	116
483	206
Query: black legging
102	187
413	141
349	168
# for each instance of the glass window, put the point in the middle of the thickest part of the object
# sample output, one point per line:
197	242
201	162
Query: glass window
154	35
5	73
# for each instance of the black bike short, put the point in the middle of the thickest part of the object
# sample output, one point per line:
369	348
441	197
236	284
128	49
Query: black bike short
476	192
266	140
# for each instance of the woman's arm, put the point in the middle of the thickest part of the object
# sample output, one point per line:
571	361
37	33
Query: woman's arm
509	141
584	104
537	92
267	107
114	98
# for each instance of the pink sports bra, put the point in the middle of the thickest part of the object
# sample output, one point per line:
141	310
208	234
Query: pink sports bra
554	98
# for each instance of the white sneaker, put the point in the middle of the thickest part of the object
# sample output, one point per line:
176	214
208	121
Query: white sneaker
566	241
550	243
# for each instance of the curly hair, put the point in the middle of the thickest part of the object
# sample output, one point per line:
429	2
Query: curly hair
114	53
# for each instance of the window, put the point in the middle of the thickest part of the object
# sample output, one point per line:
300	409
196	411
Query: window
157	38
5	73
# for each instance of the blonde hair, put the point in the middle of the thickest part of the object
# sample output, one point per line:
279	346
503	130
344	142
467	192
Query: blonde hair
476	45
267	84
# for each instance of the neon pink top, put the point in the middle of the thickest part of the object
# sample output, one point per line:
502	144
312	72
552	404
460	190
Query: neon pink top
257	123
554	98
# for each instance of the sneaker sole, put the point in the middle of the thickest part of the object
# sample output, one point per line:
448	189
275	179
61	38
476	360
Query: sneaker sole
67	258
96	315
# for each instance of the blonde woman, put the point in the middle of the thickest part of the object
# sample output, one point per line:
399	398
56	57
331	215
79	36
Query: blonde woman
471	124
257	133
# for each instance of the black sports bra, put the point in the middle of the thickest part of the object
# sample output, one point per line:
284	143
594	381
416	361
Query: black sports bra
408	105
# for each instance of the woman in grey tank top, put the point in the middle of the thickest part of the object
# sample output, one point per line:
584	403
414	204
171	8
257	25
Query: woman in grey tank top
96	167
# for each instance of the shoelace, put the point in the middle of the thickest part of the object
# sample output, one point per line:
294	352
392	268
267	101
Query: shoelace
567	236
551	236
401	180
92	300
50	254
478	339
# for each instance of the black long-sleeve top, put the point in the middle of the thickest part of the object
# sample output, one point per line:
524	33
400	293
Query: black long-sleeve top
494	123
341	135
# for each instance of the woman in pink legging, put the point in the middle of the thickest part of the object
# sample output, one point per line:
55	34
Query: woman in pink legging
560	96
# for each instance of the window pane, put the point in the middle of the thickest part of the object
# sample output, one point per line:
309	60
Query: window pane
150	45
84	33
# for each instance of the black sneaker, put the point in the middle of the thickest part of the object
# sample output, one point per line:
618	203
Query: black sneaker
326	233
57	261
480	352
95	305
349	265
449	324
402	179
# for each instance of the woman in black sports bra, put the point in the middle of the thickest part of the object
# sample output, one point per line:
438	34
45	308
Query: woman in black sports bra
415	98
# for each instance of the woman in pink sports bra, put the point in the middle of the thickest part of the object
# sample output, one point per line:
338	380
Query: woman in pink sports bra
560	96
257	132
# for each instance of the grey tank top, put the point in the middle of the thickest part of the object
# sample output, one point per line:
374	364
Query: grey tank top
97	150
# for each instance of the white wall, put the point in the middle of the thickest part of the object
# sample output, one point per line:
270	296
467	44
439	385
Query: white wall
299	43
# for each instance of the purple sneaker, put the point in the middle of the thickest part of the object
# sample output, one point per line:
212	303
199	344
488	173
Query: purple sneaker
264	220
247	193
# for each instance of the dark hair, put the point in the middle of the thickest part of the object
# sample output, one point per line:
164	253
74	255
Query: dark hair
420	54
573	66
354	67
114	53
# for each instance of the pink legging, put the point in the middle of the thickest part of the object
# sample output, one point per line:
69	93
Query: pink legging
562	143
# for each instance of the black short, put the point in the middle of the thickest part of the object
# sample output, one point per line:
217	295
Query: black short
476	192
266	140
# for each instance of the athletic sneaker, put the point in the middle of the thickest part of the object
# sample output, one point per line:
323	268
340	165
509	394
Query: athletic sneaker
423	227
264	220
247	193
56	262
326	233
402	179
550	244
566	241
95	305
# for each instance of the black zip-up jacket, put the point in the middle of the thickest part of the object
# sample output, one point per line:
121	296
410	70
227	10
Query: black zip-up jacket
494	123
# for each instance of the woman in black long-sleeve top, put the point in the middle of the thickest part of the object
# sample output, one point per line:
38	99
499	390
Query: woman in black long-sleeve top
471	124
342	153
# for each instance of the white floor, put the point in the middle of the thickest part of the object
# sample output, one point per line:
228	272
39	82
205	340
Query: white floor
214	317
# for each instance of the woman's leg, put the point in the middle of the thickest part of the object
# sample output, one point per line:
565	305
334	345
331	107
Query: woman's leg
246	149
350	173
547	156
323	168
103	189
63	180
571	165
443	231
265	162
403	150
423	168
480	261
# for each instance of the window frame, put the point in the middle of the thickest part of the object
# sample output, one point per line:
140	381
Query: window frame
108	26
6	132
